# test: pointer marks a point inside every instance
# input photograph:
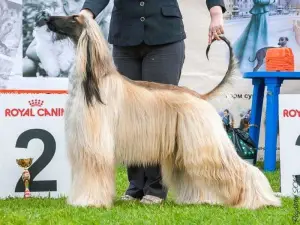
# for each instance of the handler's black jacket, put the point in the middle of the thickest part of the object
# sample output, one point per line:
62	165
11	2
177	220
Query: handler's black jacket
153	22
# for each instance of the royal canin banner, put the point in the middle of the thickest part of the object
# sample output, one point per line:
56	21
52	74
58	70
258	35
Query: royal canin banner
289	123
32	126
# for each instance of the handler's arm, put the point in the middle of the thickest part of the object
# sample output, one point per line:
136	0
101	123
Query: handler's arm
212	3
95	6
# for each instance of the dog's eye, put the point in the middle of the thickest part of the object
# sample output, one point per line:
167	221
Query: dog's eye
74	19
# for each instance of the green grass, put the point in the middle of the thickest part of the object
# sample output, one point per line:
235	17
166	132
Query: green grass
56	211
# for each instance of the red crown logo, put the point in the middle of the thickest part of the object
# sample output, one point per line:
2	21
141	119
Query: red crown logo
36	102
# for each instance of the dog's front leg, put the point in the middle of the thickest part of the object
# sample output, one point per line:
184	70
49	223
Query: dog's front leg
93	182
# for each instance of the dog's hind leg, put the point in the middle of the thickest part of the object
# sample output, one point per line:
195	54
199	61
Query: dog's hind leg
92	160
188	189
259	64
211	161
177	180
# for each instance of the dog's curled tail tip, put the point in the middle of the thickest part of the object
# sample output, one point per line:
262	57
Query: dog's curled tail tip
223	38
207	51
226	82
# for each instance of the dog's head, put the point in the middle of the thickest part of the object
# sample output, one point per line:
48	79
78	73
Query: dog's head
93	59
282	42
42	29
70	26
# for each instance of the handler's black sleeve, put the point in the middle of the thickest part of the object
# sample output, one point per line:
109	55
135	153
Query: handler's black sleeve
95	6
212	3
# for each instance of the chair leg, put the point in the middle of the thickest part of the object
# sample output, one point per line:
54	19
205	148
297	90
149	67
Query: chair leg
272	117
256	111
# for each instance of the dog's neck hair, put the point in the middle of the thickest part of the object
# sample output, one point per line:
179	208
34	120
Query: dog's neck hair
93	60
93	52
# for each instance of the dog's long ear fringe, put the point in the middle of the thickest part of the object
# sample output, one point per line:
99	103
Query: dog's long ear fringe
90	82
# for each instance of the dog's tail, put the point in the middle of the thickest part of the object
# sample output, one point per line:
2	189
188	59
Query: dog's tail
252	60
225	83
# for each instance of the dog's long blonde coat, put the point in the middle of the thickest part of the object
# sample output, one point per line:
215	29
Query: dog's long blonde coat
146	124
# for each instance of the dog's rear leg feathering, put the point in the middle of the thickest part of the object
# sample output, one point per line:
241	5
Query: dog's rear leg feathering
206	167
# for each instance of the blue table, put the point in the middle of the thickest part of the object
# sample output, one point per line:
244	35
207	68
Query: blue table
273	81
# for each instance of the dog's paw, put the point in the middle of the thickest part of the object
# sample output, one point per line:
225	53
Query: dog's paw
84	202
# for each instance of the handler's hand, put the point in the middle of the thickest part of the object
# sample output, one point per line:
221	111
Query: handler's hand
216	27
86	12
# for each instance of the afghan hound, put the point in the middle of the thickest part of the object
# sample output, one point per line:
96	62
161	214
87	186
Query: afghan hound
110	119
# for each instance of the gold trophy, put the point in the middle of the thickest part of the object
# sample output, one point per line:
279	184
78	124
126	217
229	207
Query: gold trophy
25	164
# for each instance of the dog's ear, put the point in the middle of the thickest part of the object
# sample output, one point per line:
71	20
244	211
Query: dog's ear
90	83
286	38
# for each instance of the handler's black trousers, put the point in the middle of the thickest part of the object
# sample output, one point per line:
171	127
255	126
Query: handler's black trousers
162	64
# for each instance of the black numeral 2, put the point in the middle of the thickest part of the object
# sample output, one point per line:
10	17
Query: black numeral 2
298	141
40	163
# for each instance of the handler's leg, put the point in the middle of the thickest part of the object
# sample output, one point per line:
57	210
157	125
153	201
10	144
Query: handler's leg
129	63
162	64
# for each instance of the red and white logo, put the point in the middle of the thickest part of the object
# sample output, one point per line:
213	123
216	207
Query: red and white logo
291	113
35	109
36	102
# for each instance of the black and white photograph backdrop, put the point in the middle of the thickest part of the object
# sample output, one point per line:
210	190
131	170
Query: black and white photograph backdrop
44	53
10	27
5	70
10	37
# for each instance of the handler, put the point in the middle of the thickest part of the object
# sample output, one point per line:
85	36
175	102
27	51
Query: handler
148	44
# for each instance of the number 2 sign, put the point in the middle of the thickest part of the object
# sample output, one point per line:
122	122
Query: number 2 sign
32	126
289	124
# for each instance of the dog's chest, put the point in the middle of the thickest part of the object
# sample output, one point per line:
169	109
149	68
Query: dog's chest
74	111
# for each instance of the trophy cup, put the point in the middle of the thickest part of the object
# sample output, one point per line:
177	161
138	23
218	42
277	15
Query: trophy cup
25	164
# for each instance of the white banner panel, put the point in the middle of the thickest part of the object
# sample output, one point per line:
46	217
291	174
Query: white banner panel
32	125
289	123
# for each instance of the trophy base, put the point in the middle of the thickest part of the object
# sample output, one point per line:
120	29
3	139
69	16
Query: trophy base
27	193
25	164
